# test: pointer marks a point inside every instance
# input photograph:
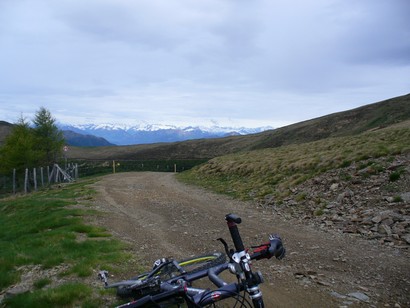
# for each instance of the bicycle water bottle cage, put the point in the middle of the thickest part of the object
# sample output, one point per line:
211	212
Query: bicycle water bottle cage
233	218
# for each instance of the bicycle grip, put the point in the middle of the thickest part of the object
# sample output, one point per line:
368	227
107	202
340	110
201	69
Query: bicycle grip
233	218
276	247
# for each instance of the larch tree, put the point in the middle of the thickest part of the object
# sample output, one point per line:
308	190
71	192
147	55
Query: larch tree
50	139
19	149
32	146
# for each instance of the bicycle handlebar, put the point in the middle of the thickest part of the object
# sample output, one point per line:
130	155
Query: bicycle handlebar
215	271
273	248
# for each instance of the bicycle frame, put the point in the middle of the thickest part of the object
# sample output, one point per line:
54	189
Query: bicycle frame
179	287
194	297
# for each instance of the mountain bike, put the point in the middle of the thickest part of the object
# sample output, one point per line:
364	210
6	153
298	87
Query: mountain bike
169	283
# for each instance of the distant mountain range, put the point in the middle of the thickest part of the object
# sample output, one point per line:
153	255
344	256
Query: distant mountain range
111	134
369	117
76	139
377	117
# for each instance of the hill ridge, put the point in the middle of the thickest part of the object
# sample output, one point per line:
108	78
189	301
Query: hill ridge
346	123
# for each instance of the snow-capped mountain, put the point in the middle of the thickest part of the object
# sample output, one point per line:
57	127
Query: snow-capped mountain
153	133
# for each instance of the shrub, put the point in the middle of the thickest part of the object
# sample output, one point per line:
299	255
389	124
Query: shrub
397	199
319	212
394	176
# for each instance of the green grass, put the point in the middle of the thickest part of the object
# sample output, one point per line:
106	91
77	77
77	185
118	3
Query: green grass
63	296
42	229
41	283
255	174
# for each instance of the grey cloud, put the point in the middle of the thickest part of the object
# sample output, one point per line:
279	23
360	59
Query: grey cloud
378	33
223	58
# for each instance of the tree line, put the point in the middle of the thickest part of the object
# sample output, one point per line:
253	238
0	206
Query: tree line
30	145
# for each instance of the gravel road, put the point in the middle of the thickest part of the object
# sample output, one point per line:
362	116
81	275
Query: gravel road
162	217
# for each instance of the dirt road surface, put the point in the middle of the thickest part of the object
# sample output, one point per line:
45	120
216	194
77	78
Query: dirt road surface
162	217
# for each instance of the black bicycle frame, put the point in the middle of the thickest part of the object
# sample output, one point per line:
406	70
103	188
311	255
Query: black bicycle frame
194	297
178	287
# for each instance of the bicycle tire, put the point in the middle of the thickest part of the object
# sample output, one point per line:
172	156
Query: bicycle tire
202	262
195	264
124	292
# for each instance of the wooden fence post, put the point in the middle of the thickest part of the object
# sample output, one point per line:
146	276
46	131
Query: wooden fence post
35	179
26	182
42	176
57	174
113	166
14	181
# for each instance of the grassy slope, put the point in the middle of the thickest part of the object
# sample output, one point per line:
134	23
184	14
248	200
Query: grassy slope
43	229
347	123
254	174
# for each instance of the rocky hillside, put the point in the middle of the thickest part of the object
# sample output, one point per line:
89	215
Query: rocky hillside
353	184
370	198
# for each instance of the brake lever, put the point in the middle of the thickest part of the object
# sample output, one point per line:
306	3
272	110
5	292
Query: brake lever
229	252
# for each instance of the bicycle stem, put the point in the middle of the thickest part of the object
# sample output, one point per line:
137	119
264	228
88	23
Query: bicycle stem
232	221
242	258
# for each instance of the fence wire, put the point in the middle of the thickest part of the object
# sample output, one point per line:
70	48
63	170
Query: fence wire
37	178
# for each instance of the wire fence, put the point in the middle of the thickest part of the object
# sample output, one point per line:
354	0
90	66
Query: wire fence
93	167
34	179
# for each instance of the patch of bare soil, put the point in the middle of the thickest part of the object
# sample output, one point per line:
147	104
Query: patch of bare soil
162	217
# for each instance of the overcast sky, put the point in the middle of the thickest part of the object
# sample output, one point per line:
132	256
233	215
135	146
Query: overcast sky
189	62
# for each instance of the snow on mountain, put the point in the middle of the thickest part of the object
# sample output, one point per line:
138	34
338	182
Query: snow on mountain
153	133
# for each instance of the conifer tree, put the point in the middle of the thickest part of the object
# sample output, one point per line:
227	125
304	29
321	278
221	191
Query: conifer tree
28	147
19	149
50	139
